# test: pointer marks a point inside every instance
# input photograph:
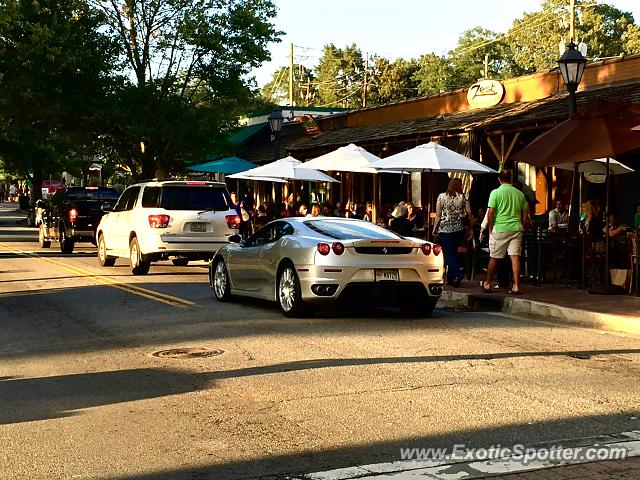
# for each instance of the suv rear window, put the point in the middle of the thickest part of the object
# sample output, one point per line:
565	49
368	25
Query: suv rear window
350	230
92	193
187	197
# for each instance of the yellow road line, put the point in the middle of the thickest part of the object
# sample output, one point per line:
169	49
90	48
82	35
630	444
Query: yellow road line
108	281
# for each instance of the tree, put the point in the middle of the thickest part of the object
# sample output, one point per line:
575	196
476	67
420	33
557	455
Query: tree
391	81
186	63
535	38
433	75
339	76
277	90
468	58
54	65
632	39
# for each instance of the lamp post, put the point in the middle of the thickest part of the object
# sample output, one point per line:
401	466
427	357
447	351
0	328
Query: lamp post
275	124
571	65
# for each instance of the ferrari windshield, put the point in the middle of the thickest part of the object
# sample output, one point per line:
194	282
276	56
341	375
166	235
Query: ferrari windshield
350	230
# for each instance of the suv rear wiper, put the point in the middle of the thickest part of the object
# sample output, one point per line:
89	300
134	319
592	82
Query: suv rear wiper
207	210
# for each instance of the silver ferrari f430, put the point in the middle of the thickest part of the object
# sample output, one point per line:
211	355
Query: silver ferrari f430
313	260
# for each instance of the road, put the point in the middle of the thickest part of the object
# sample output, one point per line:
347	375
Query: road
83	395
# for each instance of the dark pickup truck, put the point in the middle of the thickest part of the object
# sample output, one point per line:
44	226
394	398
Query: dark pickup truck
72	215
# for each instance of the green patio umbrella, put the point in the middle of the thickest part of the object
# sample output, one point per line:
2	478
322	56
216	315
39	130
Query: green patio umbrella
228	166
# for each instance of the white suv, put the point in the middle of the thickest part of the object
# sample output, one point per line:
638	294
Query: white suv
158	220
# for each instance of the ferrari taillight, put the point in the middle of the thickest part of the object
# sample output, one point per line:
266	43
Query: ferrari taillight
324	248
338	248
426	248
437	249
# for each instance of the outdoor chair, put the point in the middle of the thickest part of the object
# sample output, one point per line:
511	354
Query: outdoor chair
565	252
594	261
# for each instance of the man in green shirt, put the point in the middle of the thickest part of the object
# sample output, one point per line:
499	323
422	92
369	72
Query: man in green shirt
505	221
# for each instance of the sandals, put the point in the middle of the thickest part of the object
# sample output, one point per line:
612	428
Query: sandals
514	292
484	289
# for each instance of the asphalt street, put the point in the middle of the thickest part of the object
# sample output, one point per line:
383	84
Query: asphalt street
87	393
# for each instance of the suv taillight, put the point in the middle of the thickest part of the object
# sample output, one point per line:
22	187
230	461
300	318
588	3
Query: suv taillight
73	214
233	221
159	221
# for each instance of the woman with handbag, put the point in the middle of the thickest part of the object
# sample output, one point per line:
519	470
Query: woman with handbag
452	208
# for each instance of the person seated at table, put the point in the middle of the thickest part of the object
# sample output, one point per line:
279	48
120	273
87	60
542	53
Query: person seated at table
399	223
559	216
636	221
261	217
415	219
303	210
337	211
326	209
615	229
349	210
478	218
368	212
315	211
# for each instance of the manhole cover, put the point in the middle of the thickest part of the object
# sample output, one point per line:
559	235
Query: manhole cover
187	353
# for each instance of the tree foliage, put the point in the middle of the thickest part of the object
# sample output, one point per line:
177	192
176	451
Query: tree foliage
391	81
304	91
339	76
188	61
535	39
468	58
54	76
433	75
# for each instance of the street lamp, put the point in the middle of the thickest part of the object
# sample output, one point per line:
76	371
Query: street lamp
275	124
571	65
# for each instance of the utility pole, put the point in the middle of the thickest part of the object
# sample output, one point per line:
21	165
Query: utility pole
291	74
572	20
364	83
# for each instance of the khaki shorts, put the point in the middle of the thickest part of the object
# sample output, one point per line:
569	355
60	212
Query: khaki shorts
505	243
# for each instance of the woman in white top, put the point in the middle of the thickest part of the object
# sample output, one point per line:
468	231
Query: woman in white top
451	209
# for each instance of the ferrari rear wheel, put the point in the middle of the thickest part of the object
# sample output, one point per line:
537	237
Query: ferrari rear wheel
288	292
421	307
219	280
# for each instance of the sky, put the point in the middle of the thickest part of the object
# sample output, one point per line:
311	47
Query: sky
390	28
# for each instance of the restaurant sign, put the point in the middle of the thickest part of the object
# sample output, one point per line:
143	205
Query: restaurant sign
485	93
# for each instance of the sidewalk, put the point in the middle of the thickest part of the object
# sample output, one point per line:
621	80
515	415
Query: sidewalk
572	305
607	470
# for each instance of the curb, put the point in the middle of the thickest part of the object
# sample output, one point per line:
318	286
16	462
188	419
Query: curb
547	311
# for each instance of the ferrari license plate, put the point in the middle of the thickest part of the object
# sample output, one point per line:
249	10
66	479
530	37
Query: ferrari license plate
387	276
198	227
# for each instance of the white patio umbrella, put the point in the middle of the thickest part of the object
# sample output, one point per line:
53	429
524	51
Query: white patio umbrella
431	157
596	170
350	158
287	168
240	176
